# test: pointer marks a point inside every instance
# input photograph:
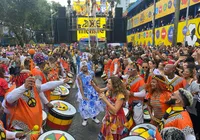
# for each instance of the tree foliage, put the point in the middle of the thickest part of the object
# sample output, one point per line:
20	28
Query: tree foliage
22	16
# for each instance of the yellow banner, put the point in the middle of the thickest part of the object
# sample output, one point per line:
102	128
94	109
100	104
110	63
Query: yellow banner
163	8
164	35
91	26
81	8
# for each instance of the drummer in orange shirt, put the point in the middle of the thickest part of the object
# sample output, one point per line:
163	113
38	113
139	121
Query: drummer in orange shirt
22	104
176	115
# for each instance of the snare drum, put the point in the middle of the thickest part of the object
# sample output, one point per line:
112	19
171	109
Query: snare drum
129	124
44	118
60	93
133	138
104	77
142	130
146	114
70	75
56	135
70	83
60	117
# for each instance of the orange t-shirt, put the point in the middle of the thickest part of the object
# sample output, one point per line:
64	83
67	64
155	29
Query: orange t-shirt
107	66
159	103
65	65
181	121
23	114
136	86
112	66
38	73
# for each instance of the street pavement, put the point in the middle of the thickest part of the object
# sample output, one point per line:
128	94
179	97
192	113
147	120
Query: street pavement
79	132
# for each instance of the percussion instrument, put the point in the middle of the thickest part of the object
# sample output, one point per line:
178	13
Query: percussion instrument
56	135
60	93
146	114
133	138
60	117
142	130
70	83
104	77
70	75
44	118
129	124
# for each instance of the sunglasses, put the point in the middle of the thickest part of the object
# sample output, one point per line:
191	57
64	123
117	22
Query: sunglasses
145	67
131	69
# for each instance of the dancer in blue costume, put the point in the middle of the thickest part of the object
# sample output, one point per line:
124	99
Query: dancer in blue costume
89	104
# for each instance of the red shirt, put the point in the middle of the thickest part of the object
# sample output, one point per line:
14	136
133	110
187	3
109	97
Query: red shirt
3	86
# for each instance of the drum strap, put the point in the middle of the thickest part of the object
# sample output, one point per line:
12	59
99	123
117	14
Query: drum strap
170	112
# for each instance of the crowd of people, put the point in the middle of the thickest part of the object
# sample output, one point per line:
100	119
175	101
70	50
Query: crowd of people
164	79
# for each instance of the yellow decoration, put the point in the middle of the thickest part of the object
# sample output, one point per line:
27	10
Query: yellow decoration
162	34
163	8
35	128
91	23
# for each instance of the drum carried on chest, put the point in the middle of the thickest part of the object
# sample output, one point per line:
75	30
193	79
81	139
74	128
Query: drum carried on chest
146	115
56	135
133	138
60	117
44	118
142	130
60	93
129	124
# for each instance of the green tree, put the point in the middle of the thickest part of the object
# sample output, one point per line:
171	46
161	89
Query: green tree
22	16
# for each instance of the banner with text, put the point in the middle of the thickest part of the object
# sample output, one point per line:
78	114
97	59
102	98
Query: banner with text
91	27
163	8
164	35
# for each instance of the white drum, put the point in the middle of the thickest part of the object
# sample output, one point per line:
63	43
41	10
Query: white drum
60	117
56	135
142	130
126	111
133	138
146	114
44	118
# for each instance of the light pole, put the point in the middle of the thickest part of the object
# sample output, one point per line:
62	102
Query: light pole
153	29
176	21
186	25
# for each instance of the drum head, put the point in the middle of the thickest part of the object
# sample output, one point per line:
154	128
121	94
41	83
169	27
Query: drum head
56	92
133	138
44	115
64	91
142	130
56	135
70	82
126	111
63	108
70	75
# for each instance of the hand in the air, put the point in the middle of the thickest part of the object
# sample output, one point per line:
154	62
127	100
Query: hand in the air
29	83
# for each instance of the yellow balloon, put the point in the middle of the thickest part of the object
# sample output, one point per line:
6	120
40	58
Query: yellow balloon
35	128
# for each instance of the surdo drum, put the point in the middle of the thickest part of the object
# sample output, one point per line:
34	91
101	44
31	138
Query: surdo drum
60	117
44	118
60	93
56	135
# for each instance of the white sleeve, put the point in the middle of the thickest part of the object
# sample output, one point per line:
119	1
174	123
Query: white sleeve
15	94
43	98
51	85
140	94
62	70
10	135
115	68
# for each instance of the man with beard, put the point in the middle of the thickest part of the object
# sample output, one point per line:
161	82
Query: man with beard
89	104
176	115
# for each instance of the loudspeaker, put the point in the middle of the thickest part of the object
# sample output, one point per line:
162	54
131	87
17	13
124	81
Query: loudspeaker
109	36
61	30
61	12
118	12
119	31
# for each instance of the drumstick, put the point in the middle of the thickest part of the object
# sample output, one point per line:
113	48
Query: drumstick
35	128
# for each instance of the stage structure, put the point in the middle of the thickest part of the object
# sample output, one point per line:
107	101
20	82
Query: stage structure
91	21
